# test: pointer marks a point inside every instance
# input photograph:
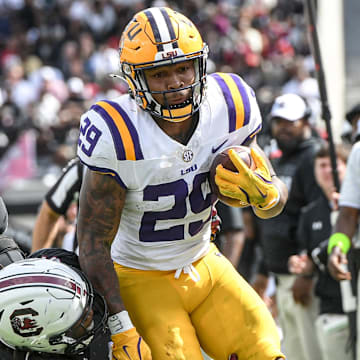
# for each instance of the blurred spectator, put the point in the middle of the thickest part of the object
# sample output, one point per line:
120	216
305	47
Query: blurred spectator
11	123
315	225
353	118
293	163
17	146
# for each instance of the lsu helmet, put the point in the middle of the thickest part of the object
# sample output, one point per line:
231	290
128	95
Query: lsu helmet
43	304
156	37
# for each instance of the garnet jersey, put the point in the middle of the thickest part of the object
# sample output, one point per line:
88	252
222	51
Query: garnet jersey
168	202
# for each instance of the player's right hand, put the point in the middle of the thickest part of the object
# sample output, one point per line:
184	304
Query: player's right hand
129	345
254	187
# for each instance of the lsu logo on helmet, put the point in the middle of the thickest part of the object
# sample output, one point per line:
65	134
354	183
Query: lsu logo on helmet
156	37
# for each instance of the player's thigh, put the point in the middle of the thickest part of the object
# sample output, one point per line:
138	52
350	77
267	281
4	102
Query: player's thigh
158	312
233	318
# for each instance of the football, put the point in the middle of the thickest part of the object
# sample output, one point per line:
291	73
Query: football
224	159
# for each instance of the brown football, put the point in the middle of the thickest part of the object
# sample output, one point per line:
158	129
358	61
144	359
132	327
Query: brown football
224	159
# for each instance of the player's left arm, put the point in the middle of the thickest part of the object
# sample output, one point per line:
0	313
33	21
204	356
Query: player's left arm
260	187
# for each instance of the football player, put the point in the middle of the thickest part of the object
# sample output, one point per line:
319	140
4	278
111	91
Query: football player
49	309
145	203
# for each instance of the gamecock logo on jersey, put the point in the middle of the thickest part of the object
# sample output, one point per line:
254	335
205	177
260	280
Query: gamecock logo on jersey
24	323
188	155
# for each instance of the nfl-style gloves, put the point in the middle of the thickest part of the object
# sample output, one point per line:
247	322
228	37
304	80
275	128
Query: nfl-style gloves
127	343
253	187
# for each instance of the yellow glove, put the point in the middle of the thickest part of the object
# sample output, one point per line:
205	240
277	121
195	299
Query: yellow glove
254	187
129	345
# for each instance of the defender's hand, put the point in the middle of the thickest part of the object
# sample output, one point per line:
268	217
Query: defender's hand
248	186
129	345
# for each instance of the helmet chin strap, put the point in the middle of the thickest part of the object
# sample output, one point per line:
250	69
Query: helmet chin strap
177	114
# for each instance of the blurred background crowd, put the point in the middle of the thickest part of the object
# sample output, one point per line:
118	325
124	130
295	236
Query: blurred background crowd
56	57
56	60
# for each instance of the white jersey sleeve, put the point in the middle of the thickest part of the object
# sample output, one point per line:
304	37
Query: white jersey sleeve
108	142
350	189
242	111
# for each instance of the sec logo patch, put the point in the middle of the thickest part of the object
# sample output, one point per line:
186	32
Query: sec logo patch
188	155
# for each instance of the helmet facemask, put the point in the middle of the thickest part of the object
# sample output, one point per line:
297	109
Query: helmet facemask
95	304
144	96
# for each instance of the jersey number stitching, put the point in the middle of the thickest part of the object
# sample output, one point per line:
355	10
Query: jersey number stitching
179	190
90	136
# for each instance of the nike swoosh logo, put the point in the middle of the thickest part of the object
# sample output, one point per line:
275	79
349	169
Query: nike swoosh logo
215	149
264	196
125	351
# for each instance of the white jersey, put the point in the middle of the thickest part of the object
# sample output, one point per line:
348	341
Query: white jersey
165	223
350	189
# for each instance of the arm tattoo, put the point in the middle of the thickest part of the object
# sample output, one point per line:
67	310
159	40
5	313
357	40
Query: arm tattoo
101	203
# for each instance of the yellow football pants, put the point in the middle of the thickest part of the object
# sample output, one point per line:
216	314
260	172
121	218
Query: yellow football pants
221	312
